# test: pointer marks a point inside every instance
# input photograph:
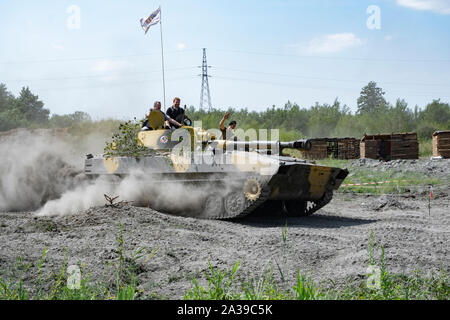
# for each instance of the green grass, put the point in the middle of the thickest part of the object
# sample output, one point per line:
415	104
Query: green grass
392	286
425	148
362	174
219	285
284	232
48	287
406	181
223	285
55	286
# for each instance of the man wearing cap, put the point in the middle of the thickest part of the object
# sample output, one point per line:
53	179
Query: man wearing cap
228	132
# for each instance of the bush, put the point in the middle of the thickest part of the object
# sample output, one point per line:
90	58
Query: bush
425	131
126	142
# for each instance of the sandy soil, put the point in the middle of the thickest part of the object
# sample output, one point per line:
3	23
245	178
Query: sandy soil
331	244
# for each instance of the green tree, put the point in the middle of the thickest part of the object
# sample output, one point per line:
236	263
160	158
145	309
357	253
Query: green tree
324	118
6	98
435	116
371	99
400	118
10	117
67	120
31	107
436	112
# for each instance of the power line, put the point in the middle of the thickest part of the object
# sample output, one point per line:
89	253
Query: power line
318	87
106	75
228	51
97	76
330	79
291	85
120	84
91	58
331	58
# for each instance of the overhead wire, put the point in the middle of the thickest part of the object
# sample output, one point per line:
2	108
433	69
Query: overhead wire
415	93
271	74
98	76
326	79
114	84
330	57
279	54
93	58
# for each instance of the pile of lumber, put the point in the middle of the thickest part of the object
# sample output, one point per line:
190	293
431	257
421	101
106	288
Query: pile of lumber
441	144
370	149
404	146
348	148
390	146
318	150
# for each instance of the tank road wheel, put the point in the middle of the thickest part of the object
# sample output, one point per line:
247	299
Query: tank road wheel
252	189
295	208
234	203
212	207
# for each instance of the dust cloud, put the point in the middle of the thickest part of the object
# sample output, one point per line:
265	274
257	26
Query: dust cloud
42	171
164	195
40	165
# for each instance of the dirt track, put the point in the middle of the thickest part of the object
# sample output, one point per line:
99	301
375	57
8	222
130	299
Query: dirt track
332	244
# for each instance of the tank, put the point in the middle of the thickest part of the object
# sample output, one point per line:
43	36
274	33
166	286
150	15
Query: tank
237	177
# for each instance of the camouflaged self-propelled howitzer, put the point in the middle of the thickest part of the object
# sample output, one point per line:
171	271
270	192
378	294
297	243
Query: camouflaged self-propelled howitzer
238	176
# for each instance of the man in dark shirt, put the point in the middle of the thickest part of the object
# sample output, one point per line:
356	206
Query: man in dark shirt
228	133
176	112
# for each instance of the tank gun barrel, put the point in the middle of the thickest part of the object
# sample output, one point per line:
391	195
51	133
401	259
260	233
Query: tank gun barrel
274	146
302	144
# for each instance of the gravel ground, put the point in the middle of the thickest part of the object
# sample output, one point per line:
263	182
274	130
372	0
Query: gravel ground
432	167
331	244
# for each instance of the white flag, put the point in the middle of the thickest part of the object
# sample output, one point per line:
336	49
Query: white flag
154	18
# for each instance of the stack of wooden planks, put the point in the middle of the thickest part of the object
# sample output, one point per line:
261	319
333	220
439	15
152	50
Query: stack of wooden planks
348	148
441	144
341	148
370	149
404	146
390	146
318	150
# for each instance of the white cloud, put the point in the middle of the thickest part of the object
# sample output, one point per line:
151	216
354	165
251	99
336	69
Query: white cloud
333	43
181	46
109	65
438	6
388	37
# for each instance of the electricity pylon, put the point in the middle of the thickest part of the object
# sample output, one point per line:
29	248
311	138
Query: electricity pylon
205	97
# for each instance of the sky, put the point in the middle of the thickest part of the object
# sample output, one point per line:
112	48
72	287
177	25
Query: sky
93	56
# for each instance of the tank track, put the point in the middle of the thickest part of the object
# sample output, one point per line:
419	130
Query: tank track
250	206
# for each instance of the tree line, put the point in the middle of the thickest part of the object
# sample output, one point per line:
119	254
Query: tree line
27	111
373	115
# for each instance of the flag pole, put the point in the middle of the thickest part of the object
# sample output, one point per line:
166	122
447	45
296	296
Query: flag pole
162	59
